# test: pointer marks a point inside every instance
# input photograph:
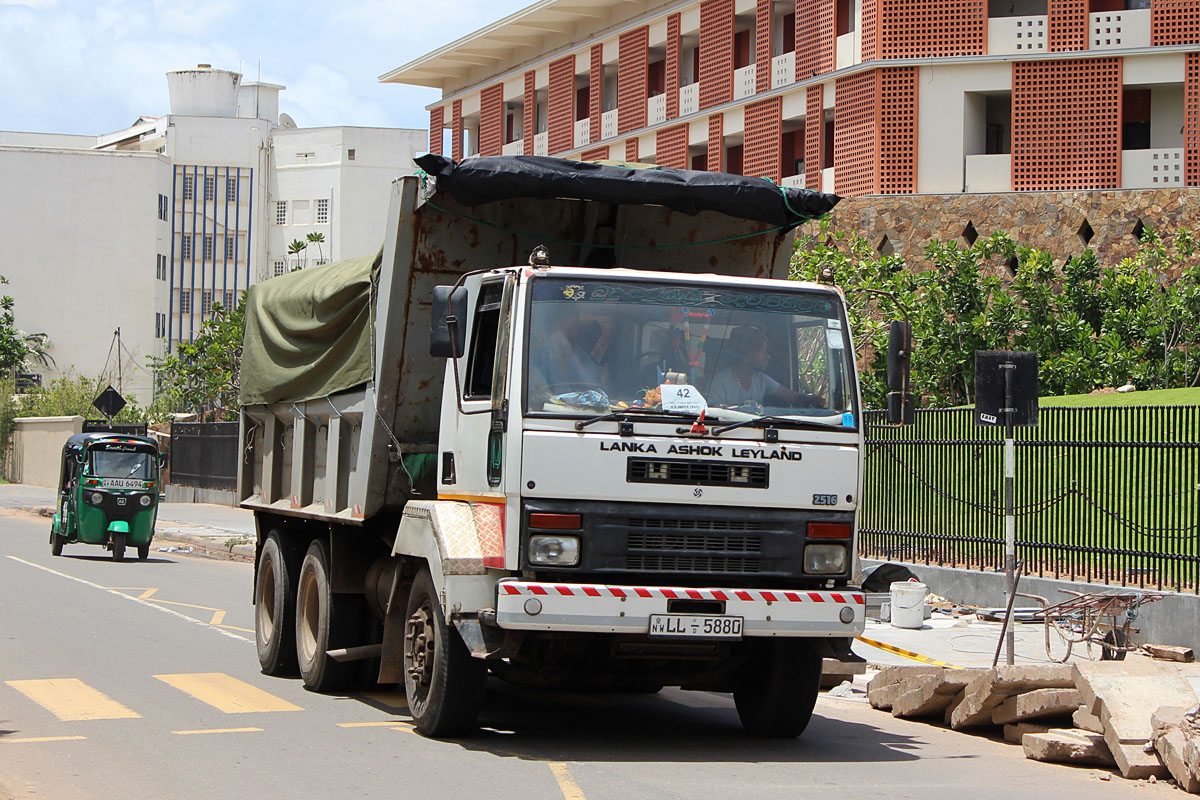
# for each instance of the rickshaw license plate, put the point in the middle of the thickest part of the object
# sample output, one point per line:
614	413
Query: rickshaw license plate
696	626
123	483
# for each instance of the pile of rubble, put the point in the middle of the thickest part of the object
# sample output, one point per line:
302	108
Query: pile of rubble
1139	716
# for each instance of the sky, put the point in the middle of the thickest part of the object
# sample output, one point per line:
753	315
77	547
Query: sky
70	66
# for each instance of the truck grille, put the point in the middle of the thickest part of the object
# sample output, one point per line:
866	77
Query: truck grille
698	473
694	552
670	523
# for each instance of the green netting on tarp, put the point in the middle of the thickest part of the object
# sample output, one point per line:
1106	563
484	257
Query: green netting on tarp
308	333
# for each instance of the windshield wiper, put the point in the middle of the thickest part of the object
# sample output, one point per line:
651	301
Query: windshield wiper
787	421
650	412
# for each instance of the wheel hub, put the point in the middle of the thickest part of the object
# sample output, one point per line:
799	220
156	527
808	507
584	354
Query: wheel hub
420	651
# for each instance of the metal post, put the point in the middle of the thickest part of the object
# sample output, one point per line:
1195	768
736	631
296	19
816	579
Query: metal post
1010	518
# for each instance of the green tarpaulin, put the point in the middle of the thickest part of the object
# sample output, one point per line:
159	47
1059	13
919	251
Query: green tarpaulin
308	332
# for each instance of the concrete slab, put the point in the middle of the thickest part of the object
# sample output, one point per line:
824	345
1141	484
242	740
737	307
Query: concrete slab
1171	745
1124	695
1082	718
1014	732
993	687
1134	762
931	695
1067	746
1038	704
1167	652
886	686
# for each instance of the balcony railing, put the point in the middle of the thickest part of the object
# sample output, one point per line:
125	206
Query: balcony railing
743	81
849	51
516	148
608	124
689	99
783	70
1120	29
656	110
1017	34
1152	169
989	173
541	144
583	132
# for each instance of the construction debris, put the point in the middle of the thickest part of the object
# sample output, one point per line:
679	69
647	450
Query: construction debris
1067	746
1082	718
885	687
1038	704
1169	652
1121	694
994	686
931	695
1014	732
1177	742
835	672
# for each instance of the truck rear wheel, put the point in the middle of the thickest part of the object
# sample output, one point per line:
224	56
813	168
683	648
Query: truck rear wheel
275	608
324	621
776	692
443	683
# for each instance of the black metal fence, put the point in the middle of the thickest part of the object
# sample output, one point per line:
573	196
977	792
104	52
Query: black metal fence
204	455
1103	494
102	426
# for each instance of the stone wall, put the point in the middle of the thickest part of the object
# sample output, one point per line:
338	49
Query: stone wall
1061	223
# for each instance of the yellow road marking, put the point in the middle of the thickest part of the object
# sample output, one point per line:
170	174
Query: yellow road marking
566	783
147	594
389	699
43	739
891	648
217	730
226	693
72	700
389	724
218	618
185	605
236	628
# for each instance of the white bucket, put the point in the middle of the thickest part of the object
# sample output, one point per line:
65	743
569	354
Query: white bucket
908	604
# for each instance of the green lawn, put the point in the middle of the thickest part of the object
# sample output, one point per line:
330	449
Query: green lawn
1155	397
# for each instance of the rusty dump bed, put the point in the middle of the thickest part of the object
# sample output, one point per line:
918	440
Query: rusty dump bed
350	451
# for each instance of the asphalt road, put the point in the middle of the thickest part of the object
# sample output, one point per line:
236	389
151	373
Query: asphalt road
140	680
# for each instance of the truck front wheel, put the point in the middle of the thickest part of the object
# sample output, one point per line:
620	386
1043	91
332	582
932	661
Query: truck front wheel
275	608
444	684
776	691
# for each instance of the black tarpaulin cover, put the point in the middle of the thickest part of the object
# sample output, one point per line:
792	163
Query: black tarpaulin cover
485	180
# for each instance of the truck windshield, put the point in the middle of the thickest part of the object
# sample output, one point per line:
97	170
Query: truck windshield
121	464
605	345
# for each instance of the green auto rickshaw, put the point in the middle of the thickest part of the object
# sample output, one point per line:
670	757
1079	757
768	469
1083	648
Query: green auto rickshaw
108	493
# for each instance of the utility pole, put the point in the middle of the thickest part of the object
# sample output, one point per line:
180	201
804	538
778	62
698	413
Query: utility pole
1010	510
117	333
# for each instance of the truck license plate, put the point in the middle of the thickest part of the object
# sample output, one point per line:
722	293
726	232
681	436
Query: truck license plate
696	626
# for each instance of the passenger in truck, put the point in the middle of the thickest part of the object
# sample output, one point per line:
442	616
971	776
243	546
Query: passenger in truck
744	382
569	358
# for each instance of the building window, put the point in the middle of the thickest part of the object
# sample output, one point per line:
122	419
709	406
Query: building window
158	325
208	247
228	302
210	188
229	242
206	300
185	301
159	267
350	154
230	188
281	212
189	187
322	261
323	211
278	268
185	246
163	207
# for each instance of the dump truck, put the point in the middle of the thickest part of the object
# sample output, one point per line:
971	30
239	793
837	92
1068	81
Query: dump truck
571	428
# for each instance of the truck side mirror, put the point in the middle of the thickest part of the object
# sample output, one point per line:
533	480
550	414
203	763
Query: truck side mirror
901	410
448	327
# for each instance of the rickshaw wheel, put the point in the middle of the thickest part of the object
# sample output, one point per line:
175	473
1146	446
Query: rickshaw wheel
143	551
56	543
118	546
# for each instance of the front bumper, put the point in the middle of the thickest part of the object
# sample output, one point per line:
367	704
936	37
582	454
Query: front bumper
600	608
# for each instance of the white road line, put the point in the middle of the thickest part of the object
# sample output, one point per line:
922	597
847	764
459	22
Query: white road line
138	600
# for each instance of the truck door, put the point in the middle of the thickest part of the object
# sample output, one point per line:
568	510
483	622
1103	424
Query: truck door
472	442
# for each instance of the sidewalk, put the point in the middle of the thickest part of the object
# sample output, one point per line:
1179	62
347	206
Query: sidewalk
221	530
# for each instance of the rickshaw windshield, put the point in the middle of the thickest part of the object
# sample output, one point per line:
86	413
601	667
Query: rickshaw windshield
122	464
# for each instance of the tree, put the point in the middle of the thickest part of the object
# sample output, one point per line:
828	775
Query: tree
295	249
318	239
13	347
202	375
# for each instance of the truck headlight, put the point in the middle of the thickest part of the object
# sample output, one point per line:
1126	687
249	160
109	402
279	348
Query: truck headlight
824	559
144	500
554	551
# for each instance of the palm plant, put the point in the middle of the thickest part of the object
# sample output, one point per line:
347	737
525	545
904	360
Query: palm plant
295	249
318	239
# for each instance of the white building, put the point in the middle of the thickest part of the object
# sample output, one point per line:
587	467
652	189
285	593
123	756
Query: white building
146	228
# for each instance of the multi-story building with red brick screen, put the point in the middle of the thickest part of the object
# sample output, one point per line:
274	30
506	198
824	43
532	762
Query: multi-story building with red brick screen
857	97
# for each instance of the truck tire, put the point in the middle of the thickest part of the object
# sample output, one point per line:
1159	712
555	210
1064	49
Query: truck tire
275	608
443	683
118	546
775	693
324	621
